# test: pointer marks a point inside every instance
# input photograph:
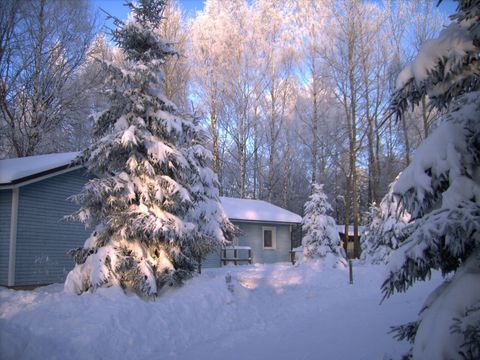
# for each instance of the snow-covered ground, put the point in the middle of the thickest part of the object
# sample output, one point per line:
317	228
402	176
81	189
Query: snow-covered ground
264	312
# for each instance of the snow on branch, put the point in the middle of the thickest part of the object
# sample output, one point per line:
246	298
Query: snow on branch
444	68
440	240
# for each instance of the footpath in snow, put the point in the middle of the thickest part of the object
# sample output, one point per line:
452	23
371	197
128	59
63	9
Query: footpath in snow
243	312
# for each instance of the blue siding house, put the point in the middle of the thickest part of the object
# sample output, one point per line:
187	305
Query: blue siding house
35	237
264	228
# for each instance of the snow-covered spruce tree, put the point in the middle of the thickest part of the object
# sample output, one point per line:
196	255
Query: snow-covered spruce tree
153	203
321	238
369	237
441	191
384	231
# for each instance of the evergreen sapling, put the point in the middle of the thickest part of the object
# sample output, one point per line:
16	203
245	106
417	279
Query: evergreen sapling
321	239
385	229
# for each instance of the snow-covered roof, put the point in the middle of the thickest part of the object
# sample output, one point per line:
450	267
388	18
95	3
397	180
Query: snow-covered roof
257	210
19	168
12	170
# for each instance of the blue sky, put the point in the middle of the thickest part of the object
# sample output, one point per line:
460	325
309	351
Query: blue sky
119	10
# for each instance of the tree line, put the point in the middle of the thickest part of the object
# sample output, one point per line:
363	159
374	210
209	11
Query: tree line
292	92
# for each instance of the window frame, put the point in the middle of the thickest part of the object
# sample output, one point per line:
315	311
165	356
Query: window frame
273	230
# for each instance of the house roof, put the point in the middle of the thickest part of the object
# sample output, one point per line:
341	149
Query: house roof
257	211
19	169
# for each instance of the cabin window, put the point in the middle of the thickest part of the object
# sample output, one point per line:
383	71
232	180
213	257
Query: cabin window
269	237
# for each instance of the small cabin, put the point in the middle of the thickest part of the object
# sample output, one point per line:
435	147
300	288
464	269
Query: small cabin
265	233
35	237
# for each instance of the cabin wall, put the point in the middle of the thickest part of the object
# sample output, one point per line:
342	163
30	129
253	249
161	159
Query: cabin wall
212	260
43	235
252	235
5	216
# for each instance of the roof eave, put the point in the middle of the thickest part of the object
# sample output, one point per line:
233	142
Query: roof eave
39	176
264	221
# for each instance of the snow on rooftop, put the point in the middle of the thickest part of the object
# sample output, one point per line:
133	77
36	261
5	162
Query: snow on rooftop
257	210
238	209
18	168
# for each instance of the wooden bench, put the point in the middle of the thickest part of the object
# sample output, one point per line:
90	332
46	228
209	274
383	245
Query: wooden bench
236	259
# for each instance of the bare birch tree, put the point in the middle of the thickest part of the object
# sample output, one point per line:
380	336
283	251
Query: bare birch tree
343	58
43	44
176	69
206	55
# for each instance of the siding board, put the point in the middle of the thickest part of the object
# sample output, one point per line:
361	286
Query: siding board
43	236
5	215
212	260
252	235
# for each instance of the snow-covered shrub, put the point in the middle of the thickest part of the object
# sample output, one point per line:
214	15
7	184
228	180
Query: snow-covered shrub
321	238
441	191
384	232
154	203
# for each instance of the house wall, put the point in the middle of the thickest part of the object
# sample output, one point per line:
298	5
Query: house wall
43	236
252	235
5	215
212	260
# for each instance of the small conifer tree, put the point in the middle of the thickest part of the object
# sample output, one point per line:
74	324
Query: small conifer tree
385	230
321	238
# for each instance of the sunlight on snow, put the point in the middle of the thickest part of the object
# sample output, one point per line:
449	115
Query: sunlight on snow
279	278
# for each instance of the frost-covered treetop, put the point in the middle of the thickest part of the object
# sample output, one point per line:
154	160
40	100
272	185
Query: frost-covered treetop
318	201
135	36
444	66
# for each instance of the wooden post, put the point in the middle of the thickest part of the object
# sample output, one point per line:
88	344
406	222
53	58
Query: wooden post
224	256
350	268
235	256
199	266
250	256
